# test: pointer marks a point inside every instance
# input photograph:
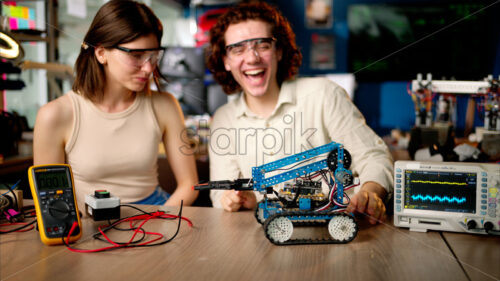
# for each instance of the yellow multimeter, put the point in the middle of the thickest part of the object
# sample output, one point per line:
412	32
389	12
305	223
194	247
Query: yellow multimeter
53	193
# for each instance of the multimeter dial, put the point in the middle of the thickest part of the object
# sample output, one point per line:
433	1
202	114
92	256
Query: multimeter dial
59	209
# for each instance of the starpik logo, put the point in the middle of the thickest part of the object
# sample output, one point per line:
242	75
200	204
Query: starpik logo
288	138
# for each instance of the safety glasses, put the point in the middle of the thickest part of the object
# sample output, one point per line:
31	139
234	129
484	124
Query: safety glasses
260	46
138	57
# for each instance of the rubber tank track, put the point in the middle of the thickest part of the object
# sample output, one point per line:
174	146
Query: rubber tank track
309	221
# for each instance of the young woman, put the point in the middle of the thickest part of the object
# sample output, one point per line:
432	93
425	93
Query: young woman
253	52
109	127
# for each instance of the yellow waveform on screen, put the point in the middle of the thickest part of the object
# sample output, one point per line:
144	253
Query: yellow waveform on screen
440	182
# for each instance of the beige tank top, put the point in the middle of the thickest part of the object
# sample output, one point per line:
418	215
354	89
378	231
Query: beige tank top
114	151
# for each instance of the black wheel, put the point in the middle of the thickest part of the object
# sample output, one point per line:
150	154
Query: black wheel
333	159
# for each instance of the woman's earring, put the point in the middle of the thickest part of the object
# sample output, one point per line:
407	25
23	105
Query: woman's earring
99	55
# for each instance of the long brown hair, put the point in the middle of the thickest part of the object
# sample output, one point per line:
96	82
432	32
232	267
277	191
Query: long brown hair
291	59
116	22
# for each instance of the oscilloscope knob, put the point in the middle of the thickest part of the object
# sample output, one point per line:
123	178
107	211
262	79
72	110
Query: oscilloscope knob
488	226
471	224
59	209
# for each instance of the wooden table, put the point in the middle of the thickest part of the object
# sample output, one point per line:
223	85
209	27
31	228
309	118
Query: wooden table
479	255
232	246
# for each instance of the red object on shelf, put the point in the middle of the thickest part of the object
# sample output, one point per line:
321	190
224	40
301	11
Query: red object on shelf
205	22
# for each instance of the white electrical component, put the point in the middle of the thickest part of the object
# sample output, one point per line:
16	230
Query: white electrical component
101	206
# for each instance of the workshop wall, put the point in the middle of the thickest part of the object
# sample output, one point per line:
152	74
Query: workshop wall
384	103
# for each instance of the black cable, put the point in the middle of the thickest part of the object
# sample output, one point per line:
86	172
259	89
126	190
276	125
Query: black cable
163	242
144	212
179	215
136	208
27	210
159	243
138	240
19	228
67	228
283	200
113	225
297	193
13	193
5	202
290	203
137	246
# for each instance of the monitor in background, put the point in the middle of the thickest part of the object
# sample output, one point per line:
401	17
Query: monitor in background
395	41
183	62
184	69
190	92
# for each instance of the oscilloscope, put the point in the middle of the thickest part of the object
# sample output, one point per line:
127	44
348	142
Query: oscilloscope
449	196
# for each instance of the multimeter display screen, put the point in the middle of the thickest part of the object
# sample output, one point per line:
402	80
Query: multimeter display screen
440	191
52	179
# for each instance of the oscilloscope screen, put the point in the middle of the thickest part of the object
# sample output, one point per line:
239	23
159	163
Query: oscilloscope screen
440	191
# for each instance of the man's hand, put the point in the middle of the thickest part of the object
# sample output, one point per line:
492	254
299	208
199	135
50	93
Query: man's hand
369	201
233	200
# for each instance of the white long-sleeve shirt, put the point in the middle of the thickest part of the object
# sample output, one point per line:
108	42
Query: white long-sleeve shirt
310	112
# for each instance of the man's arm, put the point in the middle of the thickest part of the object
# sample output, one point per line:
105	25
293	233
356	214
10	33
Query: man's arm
369	200
370	156
223	165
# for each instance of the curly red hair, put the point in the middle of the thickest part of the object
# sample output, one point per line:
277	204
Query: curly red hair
291	59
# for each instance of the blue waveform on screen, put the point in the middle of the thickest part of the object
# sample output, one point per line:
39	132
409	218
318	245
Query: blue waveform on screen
438	198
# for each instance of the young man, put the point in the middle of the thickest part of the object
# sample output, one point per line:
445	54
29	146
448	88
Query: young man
253	52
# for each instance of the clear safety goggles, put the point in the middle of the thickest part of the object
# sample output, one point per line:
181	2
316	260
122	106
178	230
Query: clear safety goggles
260	47
138	57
